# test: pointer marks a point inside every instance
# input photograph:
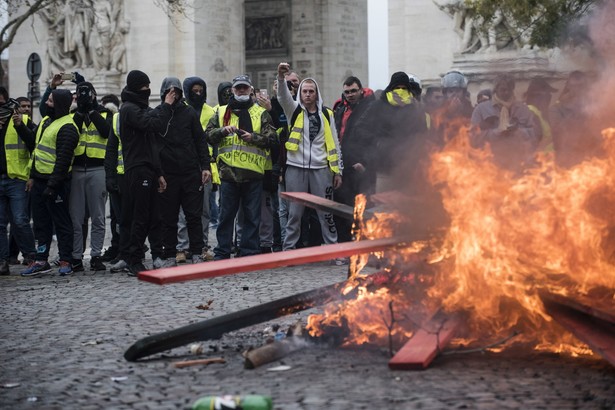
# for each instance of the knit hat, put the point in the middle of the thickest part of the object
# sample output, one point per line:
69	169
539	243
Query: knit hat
398	78
136	79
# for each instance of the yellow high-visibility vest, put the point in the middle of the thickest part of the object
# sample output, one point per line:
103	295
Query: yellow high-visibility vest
16	152
233	151
91	142
296	134
120	156
45	151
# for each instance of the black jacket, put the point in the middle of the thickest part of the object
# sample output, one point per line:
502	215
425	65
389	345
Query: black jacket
184	146
66	142
353	148
140	126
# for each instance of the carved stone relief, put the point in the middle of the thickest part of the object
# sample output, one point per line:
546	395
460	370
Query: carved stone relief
266	34
86	34
476	36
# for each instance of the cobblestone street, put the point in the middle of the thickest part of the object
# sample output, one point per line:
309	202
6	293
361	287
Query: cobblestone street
63	341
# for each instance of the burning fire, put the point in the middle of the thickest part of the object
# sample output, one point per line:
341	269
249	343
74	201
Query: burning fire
509	237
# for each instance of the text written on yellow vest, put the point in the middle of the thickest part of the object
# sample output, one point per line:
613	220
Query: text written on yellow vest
234	152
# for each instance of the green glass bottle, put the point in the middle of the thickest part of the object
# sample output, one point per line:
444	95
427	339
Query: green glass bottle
249	402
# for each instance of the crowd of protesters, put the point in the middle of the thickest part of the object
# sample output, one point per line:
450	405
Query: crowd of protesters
174	172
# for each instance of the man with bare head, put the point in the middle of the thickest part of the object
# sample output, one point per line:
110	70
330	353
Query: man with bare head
313	154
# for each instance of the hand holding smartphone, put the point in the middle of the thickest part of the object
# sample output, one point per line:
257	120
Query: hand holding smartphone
68	77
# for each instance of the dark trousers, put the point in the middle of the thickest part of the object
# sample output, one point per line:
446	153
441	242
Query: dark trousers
185	191
141	209
50	211
115	200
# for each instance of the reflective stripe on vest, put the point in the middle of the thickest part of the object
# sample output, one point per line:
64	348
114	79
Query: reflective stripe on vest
234	152
45	151
16	152
296	134
206	113
91	142
546	143
120	156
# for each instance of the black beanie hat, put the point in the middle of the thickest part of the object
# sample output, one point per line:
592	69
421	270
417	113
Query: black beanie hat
136	79
398	78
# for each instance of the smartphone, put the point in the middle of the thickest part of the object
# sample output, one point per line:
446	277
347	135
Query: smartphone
68	76
263	93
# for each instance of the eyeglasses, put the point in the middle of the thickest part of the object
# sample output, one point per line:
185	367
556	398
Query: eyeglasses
351	91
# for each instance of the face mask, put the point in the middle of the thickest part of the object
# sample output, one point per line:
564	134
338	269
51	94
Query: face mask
51	112
399	97
144	93
242	98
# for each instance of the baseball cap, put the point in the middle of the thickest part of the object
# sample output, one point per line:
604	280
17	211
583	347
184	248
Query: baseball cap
242	79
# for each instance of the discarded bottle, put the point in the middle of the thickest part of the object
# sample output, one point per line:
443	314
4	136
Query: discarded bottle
249	402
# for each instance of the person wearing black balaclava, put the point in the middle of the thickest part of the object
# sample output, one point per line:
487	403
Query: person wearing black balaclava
140	130
88	191
186	164
49	184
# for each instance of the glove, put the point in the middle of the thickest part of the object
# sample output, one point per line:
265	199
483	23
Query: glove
49	192
78	78
112	185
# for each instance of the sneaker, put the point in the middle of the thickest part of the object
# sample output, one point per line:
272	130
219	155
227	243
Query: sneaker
207	255
120	266
197	259
66	268
158	262
169	262
114	261
96	264
4	268
77	265
109	255
340	261
134	269
180	257
36	268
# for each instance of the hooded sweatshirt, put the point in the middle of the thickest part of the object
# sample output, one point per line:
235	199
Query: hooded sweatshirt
184	148
312	153
194	100
66	140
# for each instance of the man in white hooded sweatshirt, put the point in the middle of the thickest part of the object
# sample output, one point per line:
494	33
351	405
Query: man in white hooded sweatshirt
313	159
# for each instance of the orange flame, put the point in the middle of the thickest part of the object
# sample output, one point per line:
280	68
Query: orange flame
509	236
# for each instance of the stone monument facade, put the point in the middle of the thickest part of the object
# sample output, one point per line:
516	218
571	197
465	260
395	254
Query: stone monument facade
431	37
104	39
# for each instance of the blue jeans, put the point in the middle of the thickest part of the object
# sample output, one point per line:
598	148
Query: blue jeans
232	196
14	208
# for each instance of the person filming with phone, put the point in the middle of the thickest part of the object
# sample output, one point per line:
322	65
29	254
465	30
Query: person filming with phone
244	134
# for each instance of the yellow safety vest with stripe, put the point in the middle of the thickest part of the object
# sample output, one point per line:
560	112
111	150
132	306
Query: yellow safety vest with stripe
16	152
206	113
296	134
45	151
546	144
234	152
91	142
120	156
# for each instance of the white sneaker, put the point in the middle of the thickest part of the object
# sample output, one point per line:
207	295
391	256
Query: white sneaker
197	259
121	266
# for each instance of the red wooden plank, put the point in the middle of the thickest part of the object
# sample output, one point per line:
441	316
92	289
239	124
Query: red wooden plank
266	261
600	309
598	334
426	343
320	203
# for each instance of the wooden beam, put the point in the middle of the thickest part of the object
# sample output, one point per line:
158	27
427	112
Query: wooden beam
267	261
426	343
320	203
597	333
596	308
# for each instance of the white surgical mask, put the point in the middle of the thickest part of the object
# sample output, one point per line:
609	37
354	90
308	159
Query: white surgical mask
242	98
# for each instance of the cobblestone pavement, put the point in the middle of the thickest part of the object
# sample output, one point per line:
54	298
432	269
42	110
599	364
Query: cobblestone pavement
63	340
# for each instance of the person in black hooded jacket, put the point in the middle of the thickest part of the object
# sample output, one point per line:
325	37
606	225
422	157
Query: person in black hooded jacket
185	162
49	183
139	132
